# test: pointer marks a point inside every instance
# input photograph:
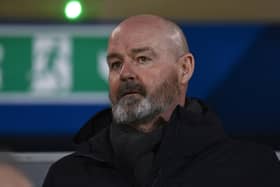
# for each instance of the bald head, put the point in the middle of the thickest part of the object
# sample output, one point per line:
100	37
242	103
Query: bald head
156	26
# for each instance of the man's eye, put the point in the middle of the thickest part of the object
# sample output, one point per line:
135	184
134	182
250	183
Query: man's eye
115	65
142	59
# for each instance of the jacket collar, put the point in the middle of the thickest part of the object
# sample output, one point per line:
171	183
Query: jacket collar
191	129
189	132
98	147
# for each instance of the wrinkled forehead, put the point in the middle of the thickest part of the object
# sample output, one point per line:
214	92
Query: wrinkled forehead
138	35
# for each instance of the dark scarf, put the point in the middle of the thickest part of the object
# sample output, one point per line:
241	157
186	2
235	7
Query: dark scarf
135	150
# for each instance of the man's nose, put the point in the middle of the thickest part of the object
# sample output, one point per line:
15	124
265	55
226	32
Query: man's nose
127	71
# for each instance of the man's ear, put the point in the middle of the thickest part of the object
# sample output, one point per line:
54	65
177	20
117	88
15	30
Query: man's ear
186	68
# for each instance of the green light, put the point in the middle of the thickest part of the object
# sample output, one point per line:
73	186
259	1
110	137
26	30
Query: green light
73	9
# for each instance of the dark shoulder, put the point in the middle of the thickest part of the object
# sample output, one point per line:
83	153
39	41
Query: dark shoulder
57	169
241	163
248	159
67	171
72	163
65	164
253	151
241	155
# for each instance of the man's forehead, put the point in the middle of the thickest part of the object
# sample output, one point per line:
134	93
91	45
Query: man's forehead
136	46
151	31
135	38
141	32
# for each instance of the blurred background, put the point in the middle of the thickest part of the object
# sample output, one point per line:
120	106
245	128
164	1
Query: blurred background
53	74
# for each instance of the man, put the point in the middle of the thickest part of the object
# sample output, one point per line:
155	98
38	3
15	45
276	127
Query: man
154	135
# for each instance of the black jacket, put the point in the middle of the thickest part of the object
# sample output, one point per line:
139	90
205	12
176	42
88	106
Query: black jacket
194	152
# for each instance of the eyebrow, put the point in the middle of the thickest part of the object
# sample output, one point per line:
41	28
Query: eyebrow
133	51
114	55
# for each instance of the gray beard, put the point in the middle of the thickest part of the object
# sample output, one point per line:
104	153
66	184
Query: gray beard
136	109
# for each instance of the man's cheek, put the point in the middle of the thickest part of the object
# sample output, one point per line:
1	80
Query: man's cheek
112	97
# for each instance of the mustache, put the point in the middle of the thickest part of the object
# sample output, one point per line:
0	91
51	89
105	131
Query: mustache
130	87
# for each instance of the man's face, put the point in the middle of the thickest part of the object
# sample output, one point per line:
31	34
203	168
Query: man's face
143	76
